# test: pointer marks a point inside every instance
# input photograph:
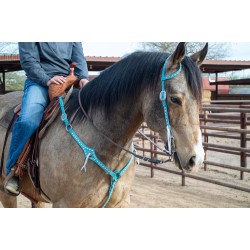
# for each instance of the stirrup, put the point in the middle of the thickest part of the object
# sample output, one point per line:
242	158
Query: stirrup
6	182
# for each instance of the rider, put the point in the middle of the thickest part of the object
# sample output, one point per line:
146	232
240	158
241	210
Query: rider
44	64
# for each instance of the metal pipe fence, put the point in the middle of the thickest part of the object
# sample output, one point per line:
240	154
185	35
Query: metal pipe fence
240	117
229	122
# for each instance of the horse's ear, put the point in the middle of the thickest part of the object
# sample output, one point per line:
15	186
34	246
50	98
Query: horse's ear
199	57
178	55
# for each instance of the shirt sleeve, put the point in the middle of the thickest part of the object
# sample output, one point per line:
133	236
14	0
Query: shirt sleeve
30	62
81	69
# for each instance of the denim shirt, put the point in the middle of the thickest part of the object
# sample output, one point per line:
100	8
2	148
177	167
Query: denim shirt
42	61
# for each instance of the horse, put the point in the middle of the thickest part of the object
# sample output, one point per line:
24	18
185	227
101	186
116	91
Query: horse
105	114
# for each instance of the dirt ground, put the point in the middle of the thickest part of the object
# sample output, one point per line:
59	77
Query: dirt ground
165	190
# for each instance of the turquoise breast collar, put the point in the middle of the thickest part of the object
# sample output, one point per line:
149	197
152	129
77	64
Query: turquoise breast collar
89	154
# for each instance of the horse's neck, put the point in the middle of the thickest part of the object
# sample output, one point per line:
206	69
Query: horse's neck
120	127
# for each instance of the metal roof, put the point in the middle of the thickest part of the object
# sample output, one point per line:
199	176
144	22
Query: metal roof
100	63
10	63
219	66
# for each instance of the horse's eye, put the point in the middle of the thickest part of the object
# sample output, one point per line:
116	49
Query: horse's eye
175	100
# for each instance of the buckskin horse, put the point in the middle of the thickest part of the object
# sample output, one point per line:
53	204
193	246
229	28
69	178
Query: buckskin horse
97	126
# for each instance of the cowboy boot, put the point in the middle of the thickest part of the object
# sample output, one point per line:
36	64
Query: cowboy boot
11	184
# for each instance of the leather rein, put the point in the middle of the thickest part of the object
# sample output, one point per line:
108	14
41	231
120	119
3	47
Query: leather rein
144	158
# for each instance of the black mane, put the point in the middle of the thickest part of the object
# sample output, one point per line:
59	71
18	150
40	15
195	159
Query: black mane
126	79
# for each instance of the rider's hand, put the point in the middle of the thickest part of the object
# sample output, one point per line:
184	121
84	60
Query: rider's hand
83	82
57	80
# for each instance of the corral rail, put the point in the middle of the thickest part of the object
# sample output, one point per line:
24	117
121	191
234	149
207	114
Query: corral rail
225	120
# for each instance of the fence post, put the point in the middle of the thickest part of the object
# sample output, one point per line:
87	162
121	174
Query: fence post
183	180
143	142
151	155
243	143
2	83
205	139
155	148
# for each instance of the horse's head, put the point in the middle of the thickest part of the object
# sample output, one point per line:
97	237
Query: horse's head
183	100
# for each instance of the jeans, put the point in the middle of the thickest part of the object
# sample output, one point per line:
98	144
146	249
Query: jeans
34	101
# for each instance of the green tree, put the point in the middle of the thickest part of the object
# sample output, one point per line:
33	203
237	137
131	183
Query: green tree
215	50
15	80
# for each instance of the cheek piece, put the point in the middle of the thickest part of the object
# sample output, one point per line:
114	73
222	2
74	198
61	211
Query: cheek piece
170	146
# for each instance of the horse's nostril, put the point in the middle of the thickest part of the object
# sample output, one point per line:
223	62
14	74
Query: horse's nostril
192	161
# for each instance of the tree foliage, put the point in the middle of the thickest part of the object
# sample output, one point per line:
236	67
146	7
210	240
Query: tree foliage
215	50
15	80
8	48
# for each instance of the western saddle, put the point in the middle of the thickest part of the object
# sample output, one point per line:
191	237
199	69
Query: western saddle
27	165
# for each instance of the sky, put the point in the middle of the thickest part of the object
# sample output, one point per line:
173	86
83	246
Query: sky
109	48
238	50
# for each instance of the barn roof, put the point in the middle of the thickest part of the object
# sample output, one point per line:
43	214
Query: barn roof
10	63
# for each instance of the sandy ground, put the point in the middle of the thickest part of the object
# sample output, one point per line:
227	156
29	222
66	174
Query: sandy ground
165	190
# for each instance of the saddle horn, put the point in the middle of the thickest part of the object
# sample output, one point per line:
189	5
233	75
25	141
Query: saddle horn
72	68
59	90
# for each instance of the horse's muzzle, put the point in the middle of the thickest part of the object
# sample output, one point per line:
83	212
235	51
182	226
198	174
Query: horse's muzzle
191	166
